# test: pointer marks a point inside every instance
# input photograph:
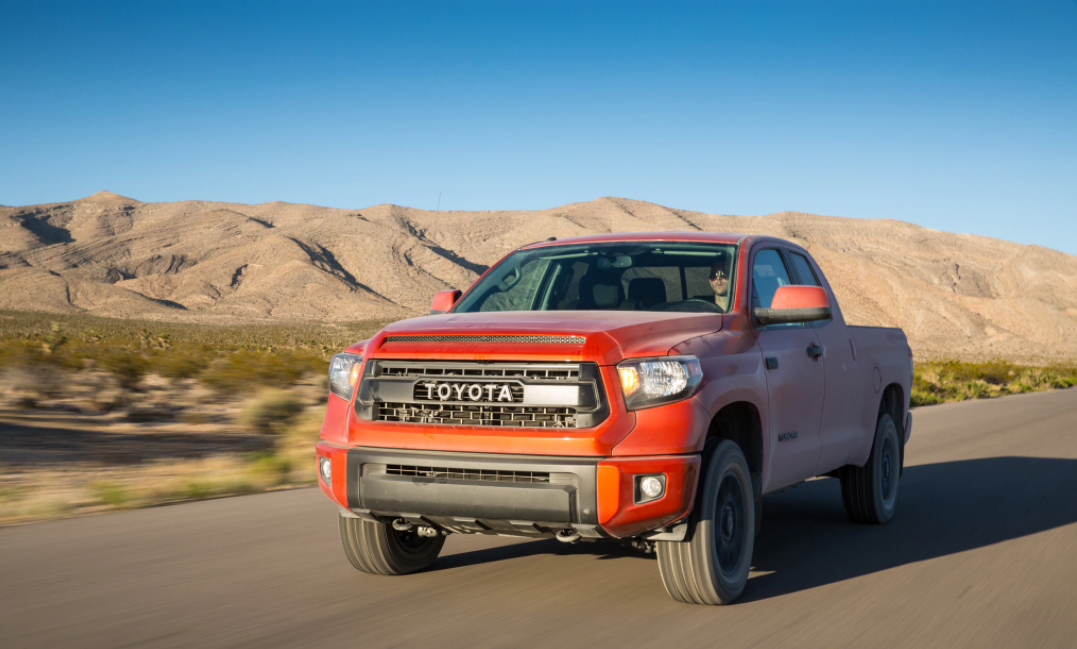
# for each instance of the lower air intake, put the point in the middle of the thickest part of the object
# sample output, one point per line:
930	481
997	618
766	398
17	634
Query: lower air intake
477	475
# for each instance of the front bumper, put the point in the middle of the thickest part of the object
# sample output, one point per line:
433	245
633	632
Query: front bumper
508	494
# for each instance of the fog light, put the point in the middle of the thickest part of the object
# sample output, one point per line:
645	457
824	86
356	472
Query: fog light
650	487
326	468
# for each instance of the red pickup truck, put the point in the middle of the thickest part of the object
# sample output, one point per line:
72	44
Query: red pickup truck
646	388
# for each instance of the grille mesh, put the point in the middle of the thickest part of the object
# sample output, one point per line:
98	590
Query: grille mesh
448	473
537	373
476	415
547	340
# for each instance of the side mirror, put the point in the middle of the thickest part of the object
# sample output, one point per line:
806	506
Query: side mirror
795	304
443	301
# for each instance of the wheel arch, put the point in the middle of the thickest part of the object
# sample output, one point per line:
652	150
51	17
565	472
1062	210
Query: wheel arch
892	403
741	423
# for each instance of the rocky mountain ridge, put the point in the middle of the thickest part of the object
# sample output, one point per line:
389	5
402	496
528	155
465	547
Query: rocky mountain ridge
956	295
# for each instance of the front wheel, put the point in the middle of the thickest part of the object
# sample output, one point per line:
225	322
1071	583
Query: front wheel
380	550
711	566
869	493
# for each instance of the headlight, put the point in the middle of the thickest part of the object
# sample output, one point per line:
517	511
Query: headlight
648	382
344	374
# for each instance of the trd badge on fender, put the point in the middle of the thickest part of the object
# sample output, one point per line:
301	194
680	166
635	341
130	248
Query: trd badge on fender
784	437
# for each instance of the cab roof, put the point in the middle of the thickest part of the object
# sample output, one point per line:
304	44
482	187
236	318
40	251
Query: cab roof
668	235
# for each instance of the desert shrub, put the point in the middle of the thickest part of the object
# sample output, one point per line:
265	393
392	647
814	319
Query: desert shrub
20	352
212	486
24	386
245	371
12	494
109	493
182	362
128	366
920	397
318	338
270	411
270	468
296	444
996	372
942	381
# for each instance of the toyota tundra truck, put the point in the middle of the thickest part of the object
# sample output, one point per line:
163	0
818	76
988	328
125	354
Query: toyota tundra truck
643	388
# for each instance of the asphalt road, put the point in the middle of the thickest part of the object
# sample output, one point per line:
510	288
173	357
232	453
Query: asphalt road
982	552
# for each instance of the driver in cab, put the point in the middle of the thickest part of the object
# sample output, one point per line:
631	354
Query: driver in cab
719	281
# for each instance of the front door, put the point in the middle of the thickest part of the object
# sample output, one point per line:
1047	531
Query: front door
795	380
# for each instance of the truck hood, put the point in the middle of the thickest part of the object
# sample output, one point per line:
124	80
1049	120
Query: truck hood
605	337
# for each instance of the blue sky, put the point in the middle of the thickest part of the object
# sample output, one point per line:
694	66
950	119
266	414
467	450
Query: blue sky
956	116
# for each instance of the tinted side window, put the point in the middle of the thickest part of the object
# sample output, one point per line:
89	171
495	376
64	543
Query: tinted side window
804	271
768	273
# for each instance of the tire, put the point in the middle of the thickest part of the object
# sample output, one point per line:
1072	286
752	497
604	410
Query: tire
378	549
711	565
869	493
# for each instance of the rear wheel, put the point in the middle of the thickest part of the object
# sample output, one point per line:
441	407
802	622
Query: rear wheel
711	566
869	493
380	550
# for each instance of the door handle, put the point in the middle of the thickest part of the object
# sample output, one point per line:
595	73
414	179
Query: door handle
815	351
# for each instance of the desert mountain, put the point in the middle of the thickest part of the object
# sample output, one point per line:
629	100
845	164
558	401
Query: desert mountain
955	295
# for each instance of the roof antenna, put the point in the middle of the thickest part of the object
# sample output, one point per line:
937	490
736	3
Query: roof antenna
552	239
439	202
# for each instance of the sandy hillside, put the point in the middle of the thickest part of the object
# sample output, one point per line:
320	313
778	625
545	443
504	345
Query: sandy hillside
956	295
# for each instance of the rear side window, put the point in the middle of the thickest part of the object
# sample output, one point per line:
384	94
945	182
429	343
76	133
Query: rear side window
804	270
768	273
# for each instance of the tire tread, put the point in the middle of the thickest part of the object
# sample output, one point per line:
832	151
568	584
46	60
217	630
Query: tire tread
859	485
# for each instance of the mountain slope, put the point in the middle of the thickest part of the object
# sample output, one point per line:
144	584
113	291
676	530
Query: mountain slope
956	295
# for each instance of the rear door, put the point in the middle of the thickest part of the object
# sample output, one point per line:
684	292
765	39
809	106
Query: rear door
837	431
795	379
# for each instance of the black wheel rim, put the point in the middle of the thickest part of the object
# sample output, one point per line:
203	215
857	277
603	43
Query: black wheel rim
729	524
888	469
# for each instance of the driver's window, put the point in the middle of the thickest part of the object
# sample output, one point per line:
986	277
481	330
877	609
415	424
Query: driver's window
768	273
516	287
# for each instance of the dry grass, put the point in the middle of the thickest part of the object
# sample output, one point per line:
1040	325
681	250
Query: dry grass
270	411
135	377
38	495
945	381
232	358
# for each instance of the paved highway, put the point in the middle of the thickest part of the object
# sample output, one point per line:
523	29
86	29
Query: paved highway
981	553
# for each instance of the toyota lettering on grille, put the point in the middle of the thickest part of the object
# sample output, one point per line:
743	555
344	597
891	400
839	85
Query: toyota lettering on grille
493	392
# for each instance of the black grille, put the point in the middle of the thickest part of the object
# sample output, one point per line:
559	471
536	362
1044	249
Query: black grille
476	415
546	340
449	473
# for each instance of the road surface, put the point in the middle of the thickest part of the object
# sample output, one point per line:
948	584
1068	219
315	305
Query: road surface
981	553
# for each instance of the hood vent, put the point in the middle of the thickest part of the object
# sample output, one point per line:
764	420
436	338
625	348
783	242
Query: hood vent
543	340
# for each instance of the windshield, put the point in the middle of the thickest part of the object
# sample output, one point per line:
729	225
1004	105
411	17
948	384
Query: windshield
632	276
